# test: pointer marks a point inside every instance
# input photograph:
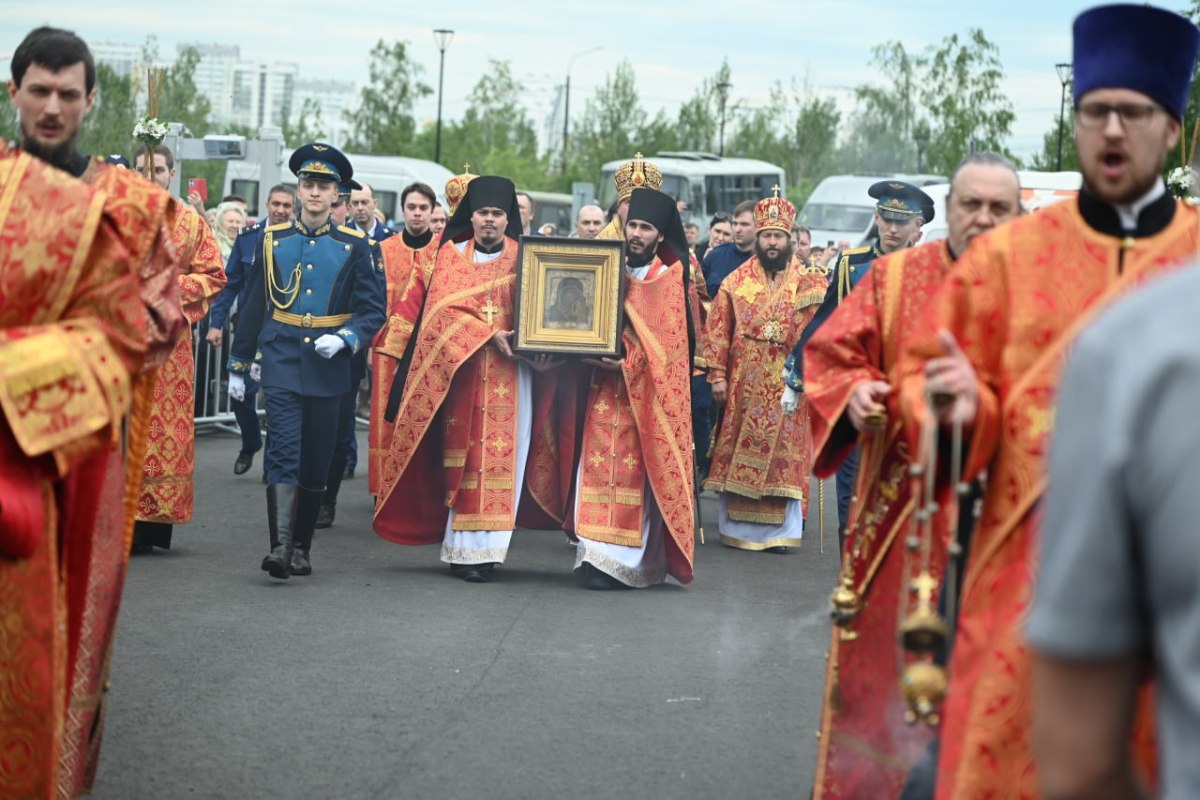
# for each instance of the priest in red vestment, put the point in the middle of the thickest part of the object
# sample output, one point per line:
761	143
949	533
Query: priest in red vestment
462	402
89	307
634	498
761	466
996	335
866	747
167	488
407	258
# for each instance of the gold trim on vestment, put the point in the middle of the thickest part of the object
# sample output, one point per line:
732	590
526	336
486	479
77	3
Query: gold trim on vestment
758	547
482	522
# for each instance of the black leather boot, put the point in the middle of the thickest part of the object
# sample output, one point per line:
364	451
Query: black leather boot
307	507
278	563
272	522
333	485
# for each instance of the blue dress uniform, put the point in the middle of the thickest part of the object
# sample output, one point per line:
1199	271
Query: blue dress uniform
246	248
897	200
345	451
308	284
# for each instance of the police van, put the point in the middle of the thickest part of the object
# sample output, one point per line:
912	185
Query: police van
386	175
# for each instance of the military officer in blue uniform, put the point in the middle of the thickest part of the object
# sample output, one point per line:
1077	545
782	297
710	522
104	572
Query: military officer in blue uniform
313	300
900	211
345	451
281	207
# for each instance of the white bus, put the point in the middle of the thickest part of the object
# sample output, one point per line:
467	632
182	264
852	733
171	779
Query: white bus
387	176
708	183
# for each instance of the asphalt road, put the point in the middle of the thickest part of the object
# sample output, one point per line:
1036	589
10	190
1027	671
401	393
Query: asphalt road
381	676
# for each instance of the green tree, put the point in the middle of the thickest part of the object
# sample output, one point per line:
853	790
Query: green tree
1193	104
1047	158
307	127
610	128
935	108
963	101
9	129
383	122
108	127
880	129
795	130
495	134
181	100
699	122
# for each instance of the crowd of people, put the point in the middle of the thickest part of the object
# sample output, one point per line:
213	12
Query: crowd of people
1004	426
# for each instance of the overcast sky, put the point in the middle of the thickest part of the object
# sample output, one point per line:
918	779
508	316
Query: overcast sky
672	45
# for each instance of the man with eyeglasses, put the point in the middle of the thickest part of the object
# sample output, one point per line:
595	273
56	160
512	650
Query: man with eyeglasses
995	336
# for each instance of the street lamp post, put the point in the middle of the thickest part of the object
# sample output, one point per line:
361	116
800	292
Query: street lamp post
567	102
1064	77
441	37
723	87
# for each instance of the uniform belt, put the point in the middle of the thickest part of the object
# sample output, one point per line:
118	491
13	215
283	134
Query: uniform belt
310	321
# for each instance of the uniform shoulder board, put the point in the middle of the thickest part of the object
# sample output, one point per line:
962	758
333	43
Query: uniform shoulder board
352	231
281	226
856	251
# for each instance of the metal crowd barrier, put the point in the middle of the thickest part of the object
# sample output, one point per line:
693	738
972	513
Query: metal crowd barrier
213	405
213	409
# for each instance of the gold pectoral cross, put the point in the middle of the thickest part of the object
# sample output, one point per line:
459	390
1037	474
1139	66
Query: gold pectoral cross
490	310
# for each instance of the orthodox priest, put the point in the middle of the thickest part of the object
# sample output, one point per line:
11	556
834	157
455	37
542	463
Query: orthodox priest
82	326
900	211
168	493
407	258
995	336
631	175
462	401
762	462
634	495
851	365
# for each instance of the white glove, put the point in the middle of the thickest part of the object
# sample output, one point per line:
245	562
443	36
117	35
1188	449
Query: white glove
256	372
790	400
329	345
785	373
237	386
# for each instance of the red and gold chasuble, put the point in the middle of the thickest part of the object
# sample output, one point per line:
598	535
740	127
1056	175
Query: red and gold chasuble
74	314
762	457
454	443
408	272
866	748
167	488
1015	302
638	426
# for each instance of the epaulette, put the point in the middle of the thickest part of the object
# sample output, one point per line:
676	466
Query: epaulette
281	226
855	251
352	231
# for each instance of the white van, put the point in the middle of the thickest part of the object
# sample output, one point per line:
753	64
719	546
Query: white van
387	176
840	208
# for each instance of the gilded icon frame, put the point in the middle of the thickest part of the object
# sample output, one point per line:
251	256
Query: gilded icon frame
570	296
